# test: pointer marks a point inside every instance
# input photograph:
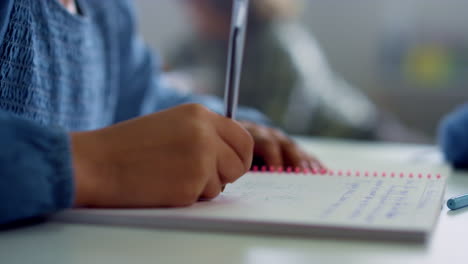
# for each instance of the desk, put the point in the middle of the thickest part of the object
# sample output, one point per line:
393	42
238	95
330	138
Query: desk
52	242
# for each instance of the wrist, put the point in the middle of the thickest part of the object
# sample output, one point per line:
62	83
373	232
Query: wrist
83	172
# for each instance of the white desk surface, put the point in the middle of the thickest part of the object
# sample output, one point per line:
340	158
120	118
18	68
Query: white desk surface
50	243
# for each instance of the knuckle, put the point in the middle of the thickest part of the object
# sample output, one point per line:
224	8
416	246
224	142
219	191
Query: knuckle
280	135
265	135
198	136
197	111
288	142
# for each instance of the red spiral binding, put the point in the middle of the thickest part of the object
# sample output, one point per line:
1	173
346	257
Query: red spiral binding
346	173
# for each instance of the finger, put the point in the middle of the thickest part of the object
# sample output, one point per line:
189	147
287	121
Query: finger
266	148
235	136
306	164
306	160
212	189
319	165
270	151
313	162
292	154
229	166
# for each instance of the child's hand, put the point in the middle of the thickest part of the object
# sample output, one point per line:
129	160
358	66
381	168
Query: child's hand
274	148
170	158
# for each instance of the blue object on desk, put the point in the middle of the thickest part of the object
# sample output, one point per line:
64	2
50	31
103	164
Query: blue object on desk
453	137
457	202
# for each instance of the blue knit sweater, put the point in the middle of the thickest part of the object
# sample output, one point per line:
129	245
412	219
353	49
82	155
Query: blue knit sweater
59	73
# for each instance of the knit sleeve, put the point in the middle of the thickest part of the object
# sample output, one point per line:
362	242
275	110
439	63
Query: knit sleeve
143	90
5	10
35	170
453	137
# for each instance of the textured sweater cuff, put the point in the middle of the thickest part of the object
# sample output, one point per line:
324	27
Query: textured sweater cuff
59	159
35	169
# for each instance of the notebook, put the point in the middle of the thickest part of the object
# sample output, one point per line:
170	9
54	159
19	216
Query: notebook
375	201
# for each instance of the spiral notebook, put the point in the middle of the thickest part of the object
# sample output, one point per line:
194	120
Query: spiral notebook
388	203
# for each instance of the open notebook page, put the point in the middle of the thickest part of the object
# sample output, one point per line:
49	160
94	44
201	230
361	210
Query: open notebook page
370	201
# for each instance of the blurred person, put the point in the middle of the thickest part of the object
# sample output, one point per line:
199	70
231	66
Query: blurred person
86	119
285	73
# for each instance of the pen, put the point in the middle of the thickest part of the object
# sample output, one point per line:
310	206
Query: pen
235	54
457	202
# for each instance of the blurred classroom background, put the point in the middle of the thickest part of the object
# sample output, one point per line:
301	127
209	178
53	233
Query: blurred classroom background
408	57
